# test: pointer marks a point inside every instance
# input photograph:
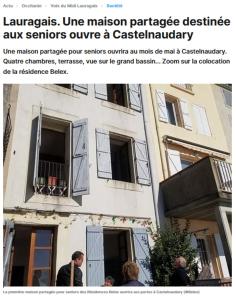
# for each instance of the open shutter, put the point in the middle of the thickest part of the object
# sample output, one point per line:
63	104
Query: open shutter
38	144
82	88
142	165
205	125
161	104
221	255
201	120
142	255
174	161
95	256
80	168
135	97
101	91
7	249
185	114
103	153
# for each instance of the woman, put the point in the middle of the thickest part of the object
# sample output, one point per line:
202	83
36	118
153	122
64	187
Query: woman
130	273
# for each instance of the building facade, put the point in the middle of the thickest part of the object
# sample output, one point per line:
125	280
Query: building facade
196	176
99	167
76	177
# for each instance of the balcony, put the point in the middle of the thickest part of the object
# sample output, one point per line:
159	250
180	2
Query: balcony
194	192
51	179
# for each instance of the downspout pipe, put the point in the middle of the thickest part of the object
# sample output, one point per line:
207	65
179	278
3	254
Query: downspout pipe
151	156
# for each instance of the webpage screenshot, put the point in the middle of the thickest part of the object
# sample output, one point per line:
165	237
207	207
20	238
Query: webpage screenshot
117	148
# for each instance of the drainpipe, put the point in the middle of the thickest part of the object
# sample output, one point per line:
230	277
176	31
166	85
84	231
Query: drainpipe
153	169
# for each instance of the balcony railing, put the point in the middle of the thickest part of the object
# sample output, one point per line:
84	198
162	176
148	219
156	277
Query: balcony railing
224	174
51	178
196	190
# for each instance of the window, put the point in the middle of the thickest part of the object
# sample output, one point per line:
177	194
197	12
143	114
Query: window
116	93
127	95
54	154
82	88
202	251
67	86
185	163
173	111
201	120
177	161
227	97
61	159
122	158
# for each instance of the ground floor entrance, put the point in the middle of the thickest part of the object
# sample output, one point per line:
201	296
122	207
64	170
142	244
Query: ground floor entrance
107	249
117	250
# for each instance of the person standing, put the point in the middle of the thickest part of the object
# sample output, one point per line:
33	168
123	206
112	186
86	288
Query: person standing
180	276
70	274
130	273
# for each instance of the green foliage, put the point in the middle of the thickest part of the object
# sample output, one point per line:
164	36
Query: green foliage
170	243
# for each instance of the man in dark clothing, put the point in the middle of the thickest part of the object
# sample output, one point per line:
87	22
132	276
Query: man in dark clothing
64	274
180	276
130	273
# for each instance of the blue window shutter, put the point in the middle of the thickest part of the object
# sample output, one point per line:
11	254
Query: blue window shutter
38	144
80	168
101	91
161	105
142	255
95	256
135	97
82	88
185	114
142	164
103	153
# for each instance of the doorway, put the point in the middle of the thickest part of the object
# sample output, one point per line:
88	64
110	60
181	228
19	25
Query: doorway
117	250
32	259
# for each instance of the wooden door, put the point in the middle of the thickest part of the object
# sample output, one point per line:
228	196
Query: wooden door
40	260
